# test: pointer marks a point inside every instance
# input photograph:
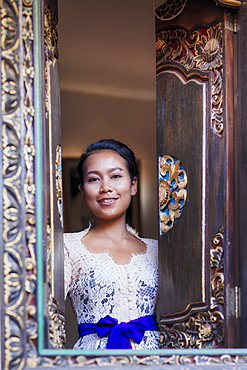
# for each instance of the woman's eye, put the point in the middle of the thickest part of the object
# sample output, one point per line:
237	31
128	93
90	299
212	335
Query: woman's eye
93	179
116	176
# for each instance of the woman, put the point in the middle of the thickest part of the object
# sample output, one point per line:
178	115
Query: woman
111	274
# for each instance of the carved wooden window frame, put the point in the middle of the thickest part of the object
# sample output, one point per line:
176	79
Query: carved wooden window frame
21	209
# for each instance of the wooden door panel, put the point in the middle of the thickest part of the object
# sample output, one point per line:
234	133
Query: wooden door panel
241	135
195	115
184	137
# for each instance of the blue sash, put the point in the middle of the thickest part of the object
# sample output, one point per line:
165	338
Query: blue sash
119	334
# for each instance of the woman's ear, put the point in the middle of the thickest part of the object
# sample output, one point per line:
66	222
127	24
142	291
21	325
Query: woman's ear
80	188
134	186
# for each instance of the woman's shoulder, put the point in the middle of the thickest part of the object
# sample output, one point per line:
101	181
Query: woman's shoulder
152	245
147	241
72	240
152	242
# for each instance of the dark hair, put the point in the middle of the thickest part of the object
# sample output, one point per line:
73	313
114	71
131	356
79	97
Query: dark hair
110	144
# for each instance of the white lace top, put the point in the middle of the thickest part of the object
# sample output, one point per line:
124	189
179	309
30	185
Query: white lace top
97	286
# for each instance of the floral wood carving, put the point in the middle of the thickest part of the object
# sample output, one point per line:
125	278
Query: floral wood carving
30	186
59	185
12	192
172	191
50	32
55	315
56	324
170	9
201	49
19	325
56	319
204	329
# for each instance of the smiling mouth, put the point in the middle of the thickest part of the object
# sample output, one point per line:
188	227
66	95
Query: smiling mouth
107	200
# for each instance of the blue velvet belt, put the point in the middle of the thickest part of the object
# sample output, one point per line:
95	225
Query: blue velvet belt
119	334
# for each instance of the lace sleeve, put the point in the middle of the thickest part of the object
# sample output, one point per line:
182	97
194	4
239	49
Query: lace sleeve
67	271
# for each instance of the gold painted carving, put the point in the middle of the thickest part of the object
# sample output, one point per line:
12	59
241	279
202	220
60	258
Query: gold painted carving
204	329
29	181
19	325
12	190
50	33
168	9
153	360
18	175
229	3
201	49
59	185
56	335
57	324
18	191
51	50
172	191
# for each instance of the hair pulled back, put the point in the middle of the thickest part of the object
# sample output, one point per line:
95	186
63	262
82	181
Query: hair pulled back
109	144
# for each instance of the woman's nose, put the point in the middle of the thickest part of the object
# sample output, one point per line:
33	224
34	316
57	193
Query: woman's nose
105	186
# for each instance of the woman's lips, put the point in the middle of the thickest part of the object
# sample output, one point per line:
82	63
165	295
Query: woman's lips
107	200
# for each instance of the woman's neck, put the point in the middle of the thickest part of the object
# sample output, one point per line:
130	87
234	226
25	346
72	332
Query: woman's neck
111	228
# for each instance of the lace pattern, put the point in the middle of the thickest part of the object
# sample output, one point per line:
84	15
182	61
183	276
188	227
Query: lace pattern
97	286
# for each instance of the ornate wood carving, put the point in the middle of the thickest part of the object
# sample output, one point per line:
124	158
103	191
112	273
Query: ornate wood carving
13	170
201	49
30	183
59	185
50	32
204	329
172	191
169	9
156	361
55	315
235	4
19	229
56	320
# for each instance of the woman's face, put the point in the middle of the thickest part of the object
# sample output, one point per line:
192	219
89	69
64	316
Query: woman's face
107	186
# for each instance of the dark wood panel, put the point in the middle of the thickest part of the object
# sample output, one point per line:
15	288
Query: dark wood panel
230	225
241	144
181	132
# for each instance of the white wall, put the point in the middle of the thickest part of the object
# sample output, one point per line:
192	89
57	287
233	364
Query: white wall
89	117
